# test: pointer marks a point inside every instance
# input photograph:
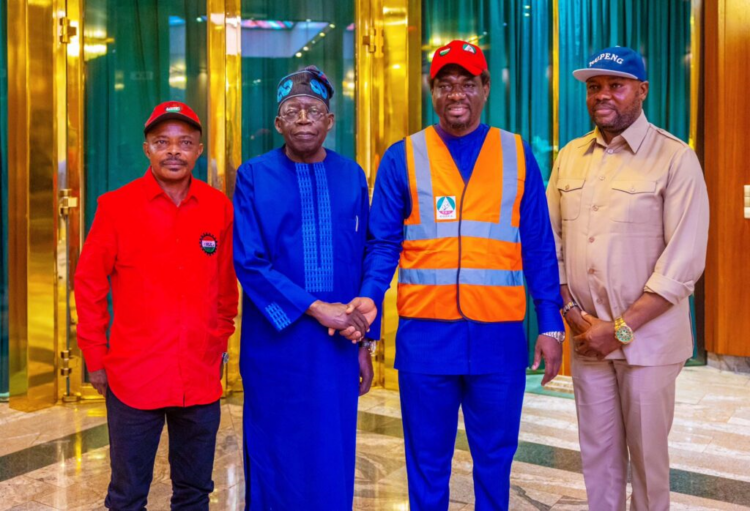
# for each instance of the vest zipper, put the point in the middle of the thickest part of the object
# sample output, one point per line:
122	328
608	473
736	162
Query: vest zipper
458	273
458	278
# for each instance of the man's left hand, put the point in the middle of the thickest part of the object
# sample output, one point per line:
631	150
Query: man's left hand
598	341
365	371
551	350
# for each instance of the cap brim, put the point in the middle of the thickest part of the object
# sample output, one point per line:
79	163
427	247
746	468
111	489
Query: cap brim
584	74
474	70
172	116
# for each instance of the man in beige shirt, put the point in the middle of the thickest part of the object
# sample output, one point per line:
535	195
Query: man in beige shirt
629	211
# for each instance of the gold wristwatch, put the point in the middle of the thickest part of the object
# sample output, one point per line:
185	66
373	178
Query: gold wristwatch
623	332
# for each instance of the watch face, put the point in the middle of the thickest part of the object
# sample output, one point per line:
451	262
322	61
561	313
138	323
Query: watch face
624	334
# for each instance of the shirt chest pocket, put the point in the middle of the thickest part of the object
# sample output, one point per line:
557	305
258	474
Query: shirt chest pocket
634	202
571	191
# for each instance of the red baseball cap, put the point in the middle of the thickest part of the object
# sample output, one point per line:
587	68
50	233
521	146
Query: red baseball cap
466	55
172	110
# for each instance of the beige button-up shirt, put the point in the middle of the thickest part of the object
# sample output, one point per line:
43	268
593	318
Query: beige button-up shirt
628	217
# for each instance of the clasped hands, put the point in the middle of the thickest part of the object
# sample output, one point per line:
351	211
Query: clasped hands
352	320
592	336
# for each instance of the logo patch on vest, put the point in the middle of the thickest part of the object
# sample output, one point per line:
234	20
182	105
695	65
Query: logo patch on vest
445	207
208	243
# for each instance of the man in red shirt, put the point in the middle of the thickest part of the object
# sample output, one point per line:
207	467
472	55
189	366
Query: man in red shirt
164	243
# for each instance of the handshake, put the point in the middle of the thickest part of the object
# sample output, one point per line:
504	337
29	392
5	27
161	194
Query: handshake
352	320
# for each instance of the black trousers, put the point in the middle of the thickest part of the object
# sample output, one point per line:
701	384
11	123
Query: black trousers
134	438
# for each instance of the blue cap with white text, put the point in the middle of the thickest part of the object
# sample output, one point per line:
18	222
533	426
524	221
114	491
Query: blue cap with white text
614	61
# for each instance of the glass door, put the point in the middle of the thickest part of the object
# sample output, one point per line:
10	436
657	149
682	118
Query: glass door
279	38
135	55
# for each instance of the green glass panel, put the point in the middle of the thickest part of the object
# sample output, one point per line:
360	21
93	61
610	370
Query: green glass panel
515	37
660	31
138	54
4	202
280	37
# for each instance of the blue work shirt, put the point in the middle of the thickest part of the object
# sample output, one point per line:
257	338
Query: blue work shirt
461	346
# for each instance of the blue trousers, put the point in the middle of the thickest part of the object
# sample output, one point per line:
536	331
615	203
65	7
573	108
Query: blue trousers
491	404
134	438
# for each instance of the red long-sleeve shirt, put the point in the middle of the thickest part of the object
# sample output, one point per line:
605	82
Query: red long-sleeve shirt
174	293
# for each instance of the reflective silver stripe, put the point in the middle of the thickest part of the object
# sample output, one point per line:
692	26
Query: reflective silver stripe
427	277
472	228
504	278
510	177
471	276
423	173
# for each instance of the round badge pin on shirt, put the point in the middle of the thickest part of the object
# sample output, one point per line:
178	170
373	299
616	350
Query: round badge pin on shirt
208	243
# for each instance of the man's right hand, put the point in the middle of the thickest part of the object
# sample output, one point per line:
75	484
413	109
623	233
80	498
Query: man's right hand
364	305
574	319
335	317
99	381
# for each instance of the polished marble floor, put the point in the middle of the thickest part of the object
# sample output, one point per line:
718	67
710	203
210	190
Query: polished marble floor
58	458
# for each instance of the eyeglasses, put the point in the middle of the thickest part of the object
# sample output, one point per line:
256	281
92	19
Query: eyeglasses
292	114
467	87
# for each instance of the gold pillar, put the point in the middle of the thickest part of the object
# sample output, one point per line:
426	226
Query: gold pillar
695	71
389	58
565	369
555	78
70	193
225	123
36	94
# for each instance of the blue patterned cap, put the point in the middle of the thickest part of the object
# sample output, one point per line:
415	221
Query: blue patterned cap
614	61
310	81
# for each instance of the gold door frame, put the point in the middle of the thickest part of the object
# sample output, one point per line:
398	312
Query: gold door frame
35	160
71	373
388	58
225	127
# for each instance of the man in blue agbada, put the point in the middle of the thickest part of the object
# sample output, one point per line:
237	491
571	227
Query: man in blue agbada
301	215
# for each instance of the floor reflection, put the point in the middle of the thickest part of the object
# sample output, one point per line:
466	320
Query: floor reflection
58	459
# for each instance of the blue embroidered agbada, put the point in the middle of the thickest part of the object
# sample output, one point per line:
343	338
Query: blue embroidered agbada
299	236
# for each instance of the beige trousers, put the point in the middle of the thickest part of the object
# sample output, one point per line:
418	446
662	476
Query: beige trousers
624	413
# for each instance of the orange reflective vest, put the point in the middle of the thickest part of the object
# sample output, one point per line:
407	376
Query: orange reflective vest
461	254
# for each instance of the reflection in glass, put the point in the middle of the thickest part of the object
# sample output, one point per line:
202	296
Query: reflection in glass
280	38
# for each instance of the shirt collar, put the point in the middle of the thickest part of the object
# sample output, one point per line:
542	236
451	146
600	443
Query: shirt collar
633	135
153	190
447	136
636	132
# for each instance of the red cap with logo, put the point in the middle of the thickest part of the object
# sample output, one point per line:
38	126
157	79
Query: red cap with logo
173	110
464	54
